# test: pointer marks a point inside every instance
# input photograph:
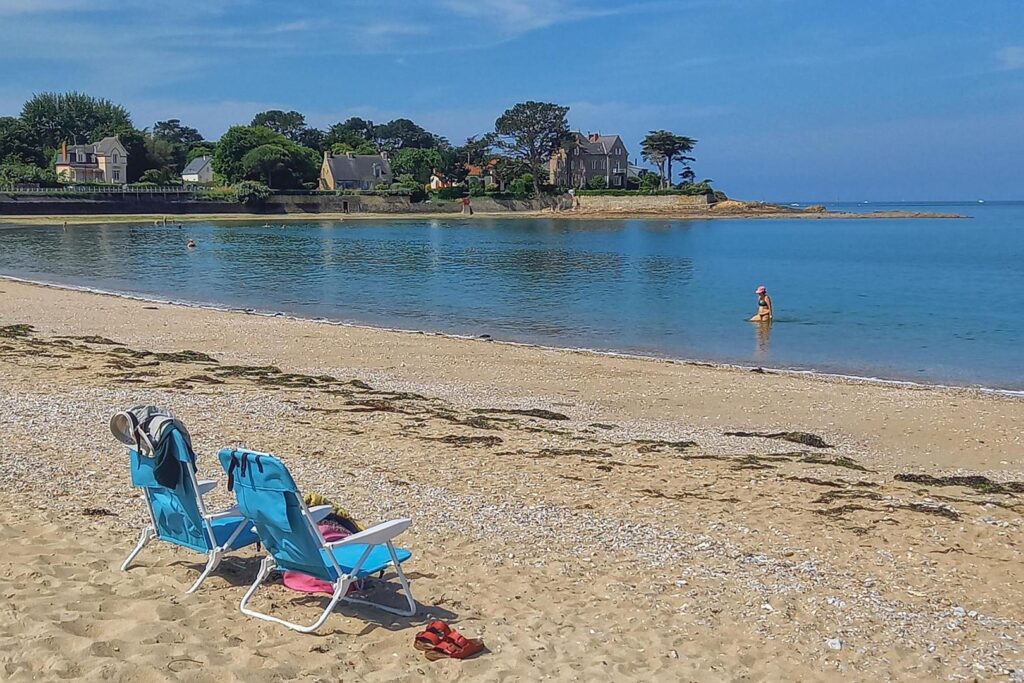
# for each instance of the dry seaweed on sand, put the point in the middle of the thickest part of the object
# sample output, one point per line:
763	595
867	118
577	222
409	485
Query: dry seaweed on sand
19	330
461	440
92	339
978	483
656	446
531	412
803	438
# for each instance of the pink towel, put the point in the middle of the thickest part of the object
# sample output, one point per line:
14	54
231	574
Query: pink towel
304	583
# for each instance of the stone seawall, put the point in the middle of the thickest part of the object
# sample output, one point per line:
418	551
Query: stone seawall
37	205
376	204
644	203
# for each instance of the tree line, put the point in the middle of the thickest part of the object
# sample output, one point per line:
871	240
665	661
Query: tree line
279	148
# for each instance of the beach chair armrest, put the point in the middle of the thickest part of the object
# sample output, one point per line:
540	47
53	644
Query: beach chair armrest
205	486
376	535
232	511
319	512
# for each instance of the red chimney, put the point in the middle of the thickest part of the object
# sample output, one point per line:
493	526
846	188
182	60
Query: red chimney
594	137
64	151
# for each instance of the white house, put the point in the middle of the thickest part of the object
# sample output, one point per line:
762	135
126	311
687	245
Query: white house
199	171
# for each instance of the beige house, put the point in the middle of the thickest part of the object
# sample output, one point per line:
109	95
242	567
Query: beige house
354	171
105	161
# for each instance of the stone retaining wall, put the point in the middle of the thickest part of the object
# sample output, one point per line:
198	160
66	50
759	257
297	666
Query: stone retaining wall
13	204
645	203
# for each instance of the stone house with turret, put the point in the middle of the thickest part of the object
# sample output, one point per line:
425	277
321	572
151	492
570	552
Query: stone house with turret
589	156
105	161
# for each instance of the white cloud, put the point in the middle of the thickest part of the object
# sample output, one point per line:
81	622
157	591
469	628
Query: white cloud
1011	57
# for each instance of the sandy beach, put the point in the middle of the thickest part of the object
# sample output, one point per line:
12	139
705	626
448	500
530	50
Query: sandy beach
727	213
590	517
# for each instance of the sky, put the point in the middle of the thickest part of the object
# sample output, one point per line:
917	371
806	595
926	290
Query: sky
789	100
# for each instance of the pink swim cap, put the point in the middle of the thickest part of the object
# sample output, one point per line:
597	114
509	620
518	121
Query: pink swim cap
761	290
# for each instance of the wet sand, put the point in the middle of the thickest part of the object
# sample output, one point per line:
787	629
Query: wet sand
609	526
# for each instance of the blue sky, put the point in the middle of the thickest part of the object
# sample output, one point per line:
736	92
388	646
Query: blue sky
789	99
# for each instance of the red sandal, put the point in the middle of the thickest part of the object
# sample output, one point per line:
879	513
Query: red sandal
455	646
432	636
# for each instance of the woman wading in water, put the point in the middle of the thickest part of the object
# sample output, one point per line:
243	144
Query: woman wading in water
764	306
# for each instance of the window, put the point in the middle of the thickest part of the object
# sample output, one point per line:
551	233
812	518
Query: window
618	181
115	157
117	175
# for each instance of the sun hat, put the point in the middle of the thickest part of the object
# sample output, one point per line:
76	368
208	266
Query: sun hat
761	290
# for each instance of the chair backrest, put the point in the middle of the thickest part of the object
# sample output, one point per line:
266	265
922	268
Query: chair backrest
177	512
268	496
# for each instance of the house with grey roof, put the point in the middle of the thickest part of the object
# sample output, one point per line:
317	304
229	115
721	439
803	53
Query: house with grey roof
199	171
105	161
354	171
586	157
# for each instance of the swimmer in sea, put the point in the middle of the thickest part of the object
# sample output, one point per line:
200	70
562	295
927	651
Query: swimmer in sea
764	306
191	244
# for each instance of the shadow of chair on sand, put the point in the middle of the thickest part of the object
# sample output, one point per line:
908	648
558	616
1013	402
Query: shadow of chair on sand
239	571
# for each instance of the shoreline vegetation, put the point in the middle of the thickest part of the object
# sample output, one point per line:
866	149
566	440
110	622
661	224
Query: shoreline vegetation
581	513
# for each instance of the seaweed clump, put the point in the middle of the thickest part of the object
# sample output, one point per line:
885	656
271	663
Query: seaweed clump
976	482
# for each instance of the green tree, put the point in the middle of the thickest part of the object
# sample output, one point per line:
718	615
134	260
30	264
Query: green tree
598	182
174	141
661	148
53	118
302	166
162	156
531	132
204	149
360	148
173	132
265	161
290	124
14	172
523	186
17	144
419	163
403	133
251	193
649	181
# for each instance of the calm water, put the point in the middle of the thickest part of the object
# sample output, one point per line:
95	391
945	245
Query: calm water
925	300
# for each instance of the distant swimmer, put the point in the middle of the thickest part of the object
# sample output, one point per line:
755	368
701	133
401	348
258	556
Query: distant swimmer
191	244
764	306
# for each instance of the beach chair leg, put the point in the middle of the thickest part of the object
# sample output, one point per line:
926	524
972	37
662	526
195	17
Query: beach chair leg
147	535
215	557
411	611
266	567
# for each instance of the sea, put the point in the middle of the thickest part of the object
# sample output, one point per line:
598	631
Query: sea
931	301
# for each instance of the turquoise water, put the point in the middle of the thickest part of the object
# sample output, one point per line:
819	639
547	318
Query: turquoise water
924	300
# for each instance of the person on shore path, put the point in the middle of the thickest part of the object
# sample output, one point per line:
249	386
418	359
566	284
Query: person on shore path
764	306
466	206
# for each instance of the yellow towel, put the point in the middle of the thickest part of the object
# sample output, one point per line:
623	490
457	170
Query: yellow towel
314	499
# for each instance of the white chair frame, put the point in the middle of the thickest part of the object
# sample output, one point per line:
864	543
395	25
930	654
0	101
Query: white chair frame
381	534
215	555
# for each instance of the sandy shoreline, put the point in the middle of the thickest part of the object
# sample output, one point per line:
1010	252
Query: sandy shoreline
573	215
604	545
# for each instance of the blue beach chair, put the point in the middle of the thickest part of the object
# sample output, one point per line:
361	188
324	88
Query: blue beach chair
178	515
267	495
